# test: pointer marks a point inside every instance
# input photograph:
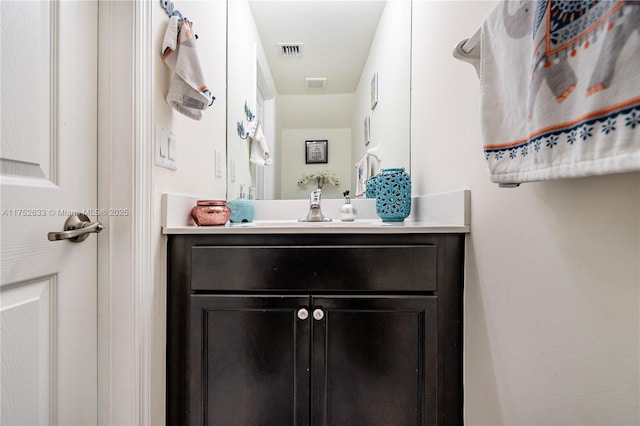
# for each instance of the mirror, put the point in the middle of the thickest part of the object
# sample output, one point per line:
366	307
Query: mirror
316	70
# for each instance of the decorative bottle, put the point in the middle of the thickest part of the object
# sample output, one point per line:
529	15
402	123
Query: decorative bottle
241	208
347	212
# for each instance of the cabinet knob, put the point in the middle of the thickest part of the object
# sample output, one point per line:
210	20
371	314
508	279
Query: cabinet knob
303	314
318	314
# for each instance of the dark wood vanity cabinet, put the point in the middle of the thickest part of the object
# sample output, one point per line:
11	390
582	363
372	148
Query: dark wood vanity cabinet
314	329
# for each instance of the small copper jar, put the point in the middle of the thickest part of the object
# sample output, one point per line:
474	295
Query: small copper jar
211	212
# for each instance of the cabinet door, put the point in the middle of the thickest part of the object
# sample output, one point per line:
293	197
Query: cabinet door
249	360
374	360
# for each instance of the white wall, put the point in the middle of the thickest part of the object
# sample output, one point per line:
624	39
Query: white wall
196	141
310	117
315	110
294	166
552	276
390	120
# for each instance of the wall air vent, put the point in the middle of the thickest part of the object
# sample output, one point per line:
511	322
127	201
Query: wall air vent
315	83
290	50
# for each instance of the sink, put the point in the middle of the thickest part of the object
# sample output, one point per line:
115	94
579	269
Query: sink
296	224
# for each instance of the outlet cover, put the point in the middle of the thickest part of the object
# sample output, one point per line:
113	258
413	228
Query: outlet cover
218	163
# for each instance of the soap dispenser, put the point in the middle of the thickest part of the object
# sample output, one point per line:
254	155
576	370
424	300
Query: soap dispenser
347	212
241	208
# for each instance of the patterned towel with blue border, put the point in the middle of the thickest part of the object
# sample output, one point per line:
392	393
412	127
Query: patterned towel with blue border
560	89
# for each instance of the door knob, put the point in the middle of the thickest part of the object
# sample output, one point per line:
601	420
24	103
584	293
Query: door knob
318	314
303	314
77	228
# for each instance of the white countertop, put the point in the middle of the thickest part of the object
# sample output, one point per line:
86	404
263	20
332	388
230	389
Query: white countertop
359	226
439	213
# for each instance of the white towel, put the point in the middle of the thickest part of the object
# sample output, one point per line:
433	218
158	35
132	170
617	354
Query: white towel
361	176
188	93
374	159
259	154
170	40
560	89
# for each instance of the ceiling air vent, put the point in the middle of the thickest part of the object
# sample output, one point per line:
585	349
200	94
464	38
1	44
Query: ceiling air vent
315	83
290	50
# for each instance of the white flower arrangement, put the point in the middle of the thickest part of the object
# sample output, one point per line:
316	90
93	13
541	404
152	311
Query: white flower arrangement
320	178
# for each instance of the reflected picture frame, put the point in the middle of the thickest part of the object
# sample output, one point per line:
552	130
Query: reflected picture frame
316	151
367	130
374	91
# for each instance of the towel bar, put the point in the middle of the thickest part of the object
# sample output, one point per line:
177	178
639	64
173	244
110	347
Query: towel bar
468	50
471	43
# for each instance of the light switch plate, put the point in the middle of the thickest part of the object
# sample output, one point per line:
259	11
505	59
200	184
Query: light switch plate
166	148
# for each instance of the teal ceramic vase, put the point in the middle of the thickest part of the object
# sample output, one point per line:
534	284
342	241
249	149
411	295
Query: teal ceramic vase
393	194
371	187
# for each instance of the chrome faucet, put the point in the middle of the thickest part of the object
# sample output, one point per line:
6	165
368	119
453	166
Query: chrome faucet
315	212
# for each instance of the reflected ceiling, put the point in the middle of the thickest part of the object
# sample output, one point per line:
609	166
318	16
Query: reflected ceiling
336	37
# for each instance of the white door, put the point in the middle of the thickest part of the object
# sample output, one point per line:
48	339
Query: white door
48	169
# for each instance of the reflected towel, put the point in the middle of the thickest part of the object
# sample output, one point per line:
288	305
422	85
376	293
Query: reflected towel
188	94
560	89
361	176
374	158
259	149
